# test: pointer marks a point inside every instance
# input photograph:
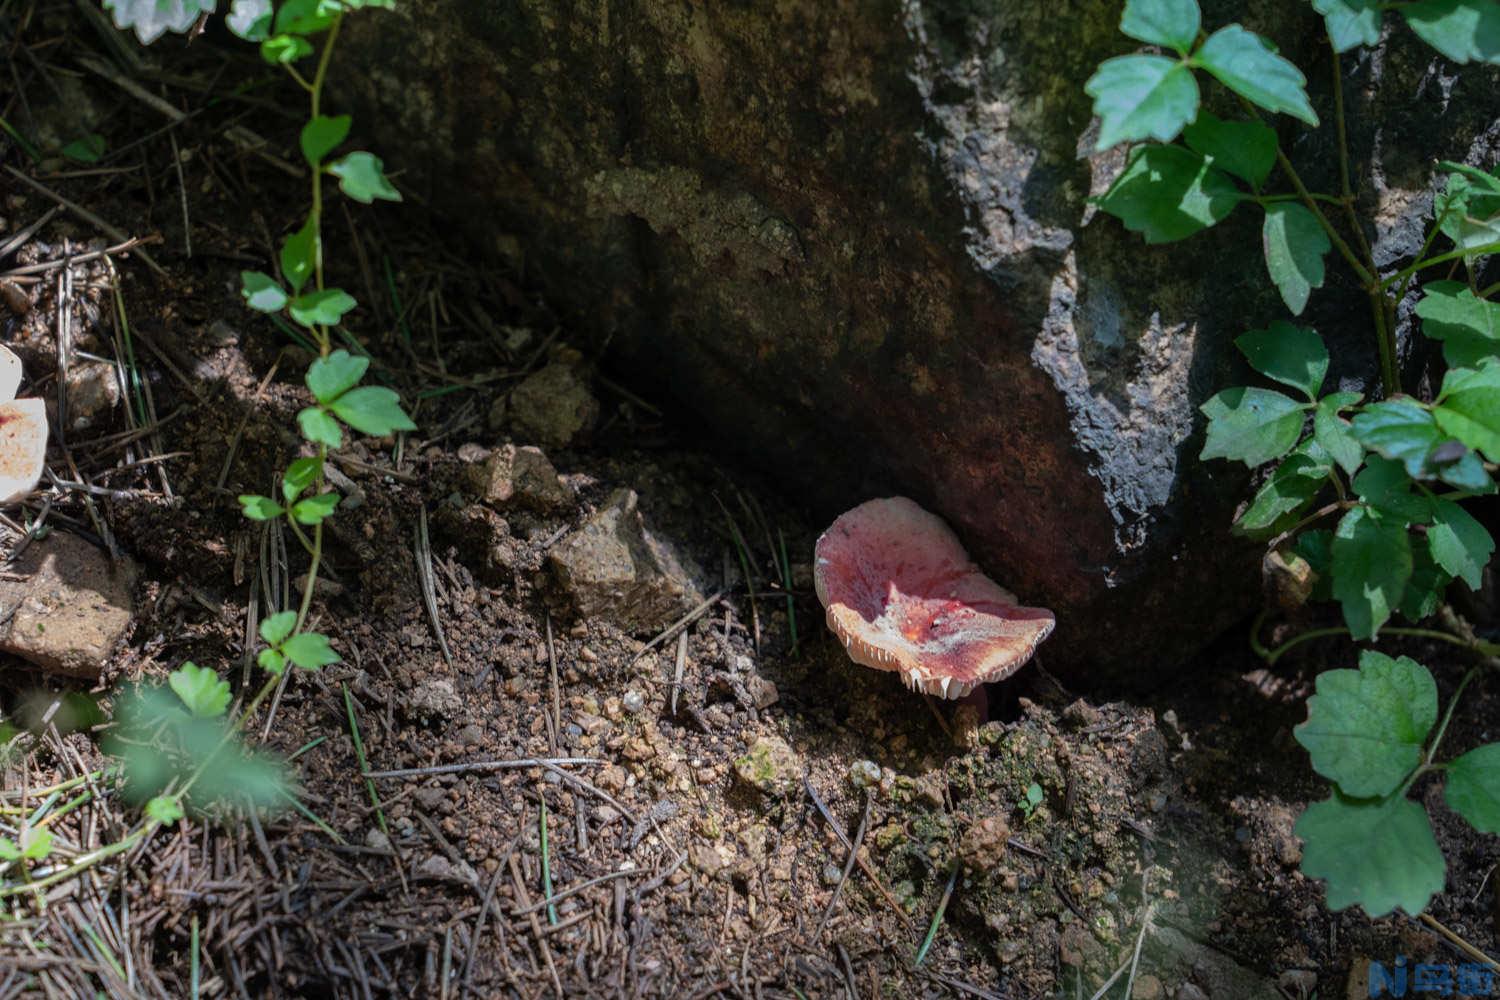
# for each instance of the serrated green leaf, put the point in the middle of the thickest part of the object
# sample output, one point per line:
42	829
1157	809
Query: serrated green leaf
1385	486
200	689
301	474
1288	491
271	661
1291	355
299	254
1468	326
1316	546
331	377
1169	193
283	50
319	427
1460	544
1469	407
240	776
275	629
309	650
323	308
1463	471
1399	429
1463	30
259	508
1294	245
1142	97
1370	566
1172	24
1468	209
1379	855
1333	433
165	809
86	149
150	19
1245	63
1424	591
250	19
362	177
261	292
314	510
1350	22
321	135
373	410
1365	728
1251	425
1245	149
1473	789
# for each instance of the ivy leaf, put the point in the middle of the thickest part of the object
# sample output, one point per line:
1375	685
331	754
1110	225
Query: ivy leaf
283	50
1473	789
298	255
319	427
1371	564
1251	425
1169	193
1169	23
200	689
1460	544
323	308
250	19
1468	407
301	474
1399	429
165	809
1289	489
259	508
1245	63
309	650
362	177
321	135
1333	433
150	19
1463	30
331	377
314	509
1245	149
275	629
1142	97
1384	485
261	292
1365	728
373	410
1380	854
1294	245
271	661
1291	355
1350	22
1468	326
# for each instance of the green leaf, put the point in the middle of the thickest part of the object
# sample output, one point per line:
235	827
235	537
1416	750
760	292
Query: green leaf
1246	64
250	19
1399	429
1469	209
321	135
165	809
1365	728
309	650
1350	22
1287	491
323	308
1385	486
1142	97
1379	855
200	689
259	508
305	17
373	410
314	509
362	177
275	629
1463	30
1316	547
1245	149
86	149
283	50
1371	564
1172	24
1294	245
1333	433
299	255
1291	355
1169	193
37	841
271	661
1473	789
150	19
301	474
1459	467
331	377
1468	326
1469	407
1251	425
242	776
1460	544
261	292
1424	591
319	427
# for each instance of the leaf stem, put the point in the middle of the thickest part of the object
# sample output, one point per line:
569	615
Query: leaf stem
1442	258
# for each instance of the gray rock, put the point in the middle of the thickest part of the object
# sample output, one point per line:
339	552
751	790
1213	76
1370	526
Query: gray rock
553	406
434	698
770	766
93	394
71	607
521	475
614	568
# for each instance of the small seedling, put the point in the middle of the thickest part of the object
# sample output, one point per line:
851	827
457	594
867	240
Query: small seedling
1028	803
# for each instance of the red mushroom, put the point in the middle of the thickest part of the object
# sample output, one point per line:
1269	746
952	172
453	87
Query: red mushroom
902	594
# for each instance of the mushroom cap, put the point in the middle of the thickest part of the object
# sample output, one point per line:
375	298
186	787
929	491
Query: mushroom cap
23	447
902	594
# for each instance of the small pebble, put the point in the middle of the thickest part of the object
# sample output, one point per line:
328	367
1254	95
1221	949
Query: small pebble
864	773
633	701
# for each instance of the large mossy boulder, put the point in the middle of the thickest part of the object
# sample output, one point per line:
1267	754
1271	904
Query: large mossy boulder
852	239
